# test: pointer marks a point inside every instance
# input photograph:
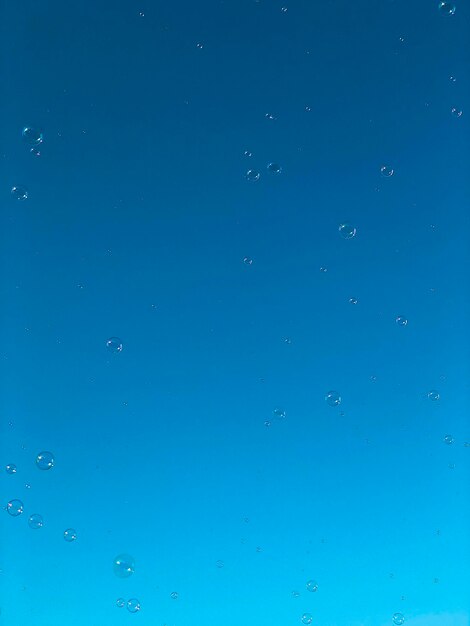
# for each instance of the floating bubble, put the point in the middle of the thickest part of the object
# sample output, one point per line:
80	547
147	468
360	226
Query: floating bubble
387	171
398	619
252	175
452	79
35	521
323	270
133	605
269	116
446	8
15	508
45	460
35	152
449	440
70	535
114	345
279	413
295	594
456	112
287	340
32	136
124	565
220	564
247	153
353	300
248	261
306	618
10	468
347	231
333	398
267	423
274	168
433	395
258	549
200	45
19	193
174	595
312	585
401	320
120	602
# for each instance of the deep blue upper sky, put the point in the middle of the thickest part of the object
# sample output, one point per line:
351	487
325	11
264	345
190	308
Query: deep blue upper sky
137	221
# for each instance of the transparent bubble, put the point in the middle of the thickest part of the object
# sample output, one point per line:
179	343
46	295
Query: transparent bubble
401	320
306	618
456	112
114	345
295	594
220	564
124	565
258	549
269	116
15	508
387	171
323	270
133	605
120	602
452	79
353	300
252	175
446	8
347	231
174	595
32	136
449	440
70	535
267	423
274	168
45	460
287	340
200	45
248	261
279	413
247	153
35	152
19	193
333	398
312	585
35	521
11	468
433	395
398	619
284	9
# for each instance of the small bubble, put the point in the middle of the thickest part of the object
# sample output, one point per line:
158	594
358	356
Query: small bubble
32	136
15	508
446	8
11	468
306	618
248	261
333	398
35	521
449	440
401	320
270	116
287	340
174	595
45	460
387	171
35	152
274	168
19	193
433	395
312	585
323	270
133	605
398	619
27	486
353	300
456	112
373	378
284	9
252	175
219	564
401	39
267	423
114	345
247	153
120	602
452	79
123	565
295	594
307	108
435	581
279	413
200	45
347	231
258	549
70	535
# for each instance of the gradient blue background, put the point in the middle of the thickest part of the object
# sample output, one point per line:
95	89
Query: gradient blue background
137	222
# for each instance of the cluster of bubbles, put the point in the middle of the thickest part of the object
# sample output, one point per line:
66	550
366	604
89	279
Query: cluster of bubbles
132	605
254	175
33	138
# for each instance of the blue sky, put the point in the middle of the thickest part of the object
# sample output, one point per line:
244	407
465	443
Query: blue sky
136	224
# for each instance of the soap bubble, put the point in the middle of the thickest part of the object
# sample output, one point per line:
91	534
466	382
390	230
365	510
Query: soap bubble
401	320
120	602
248	261
174	595
247	153
19	193
114	345
45	460
306	618
347	231
387	171
124	565
32	136
274	168
70	535
456	112
333	398
220	564
353	300
35	152
15	508
133	605
433	395
35	521
295	594
279	413
449	440
446	8
11	468
312	585
252	175
398	619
